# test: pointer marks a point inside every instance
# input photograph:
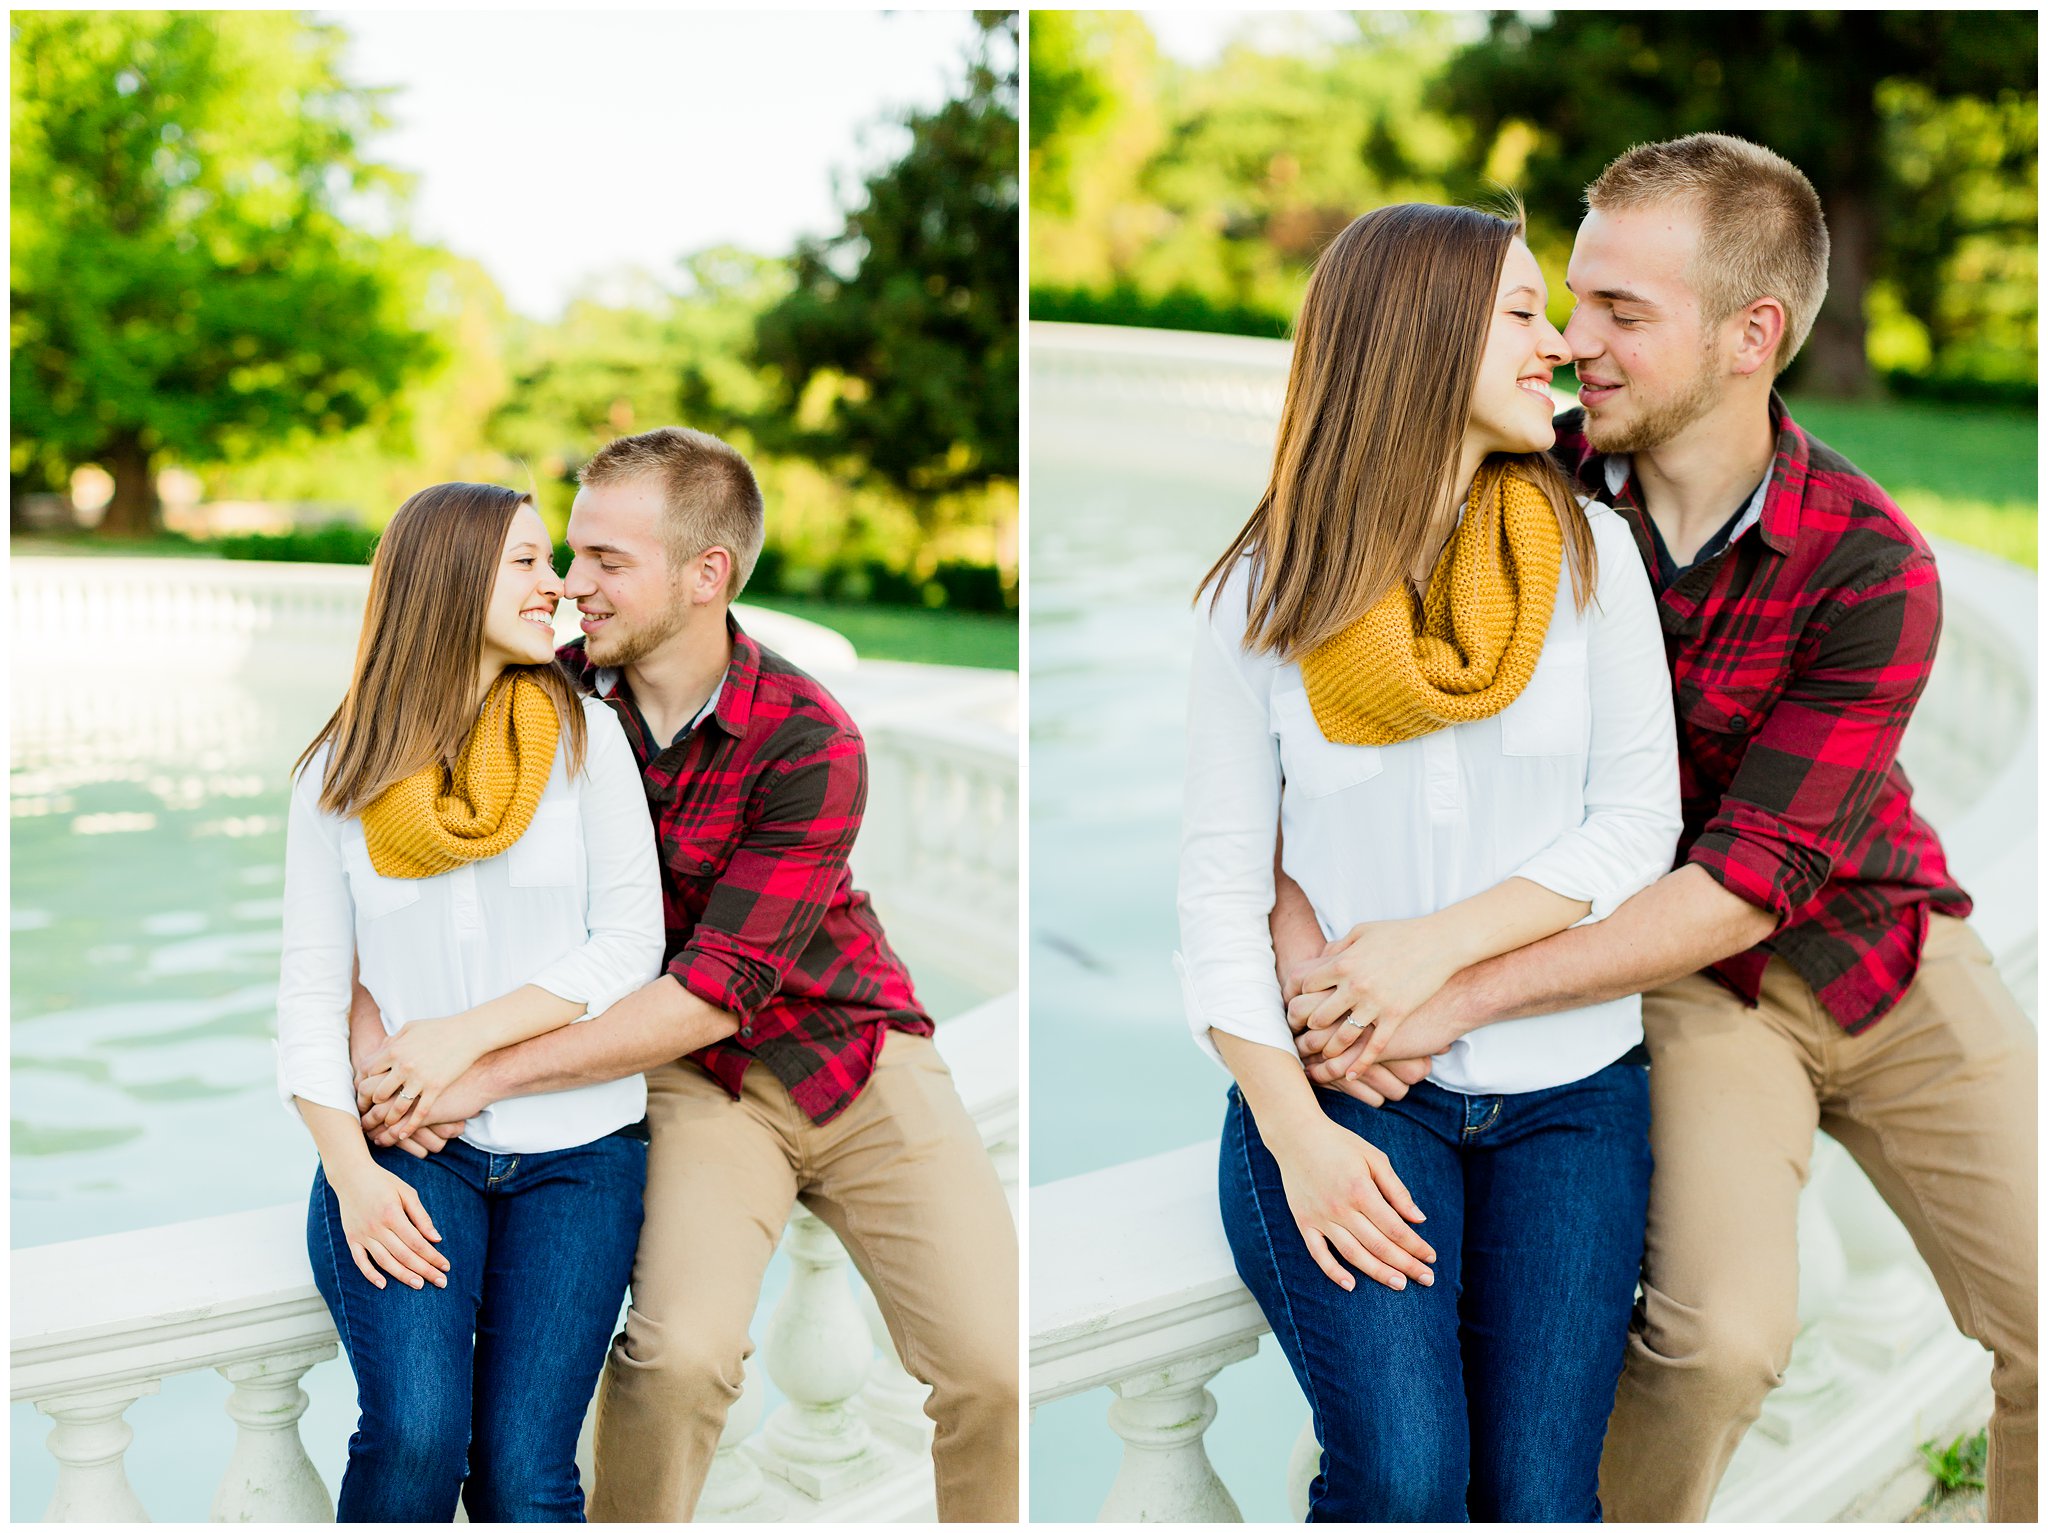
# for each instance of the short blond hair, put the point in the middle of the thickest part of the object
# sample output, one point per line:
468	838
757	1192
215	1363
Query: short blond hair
709	495
1762	233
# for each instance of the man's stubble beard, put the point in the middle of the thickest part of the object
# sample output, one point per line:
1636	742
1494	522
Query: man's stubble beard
1659	423
639	643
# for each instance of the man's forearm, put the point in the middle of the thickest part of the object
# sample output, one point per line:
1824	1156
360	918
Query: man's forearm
1678	926
1297	938
659	1022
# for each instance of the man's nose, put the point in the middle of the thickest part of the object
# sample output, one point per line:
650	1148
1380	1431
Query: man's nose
575	585
1577	336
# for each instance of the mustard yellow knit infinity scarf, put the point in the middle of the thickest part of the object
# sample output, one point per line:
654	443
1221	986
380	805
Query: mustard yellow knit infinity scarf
414	830
1395	674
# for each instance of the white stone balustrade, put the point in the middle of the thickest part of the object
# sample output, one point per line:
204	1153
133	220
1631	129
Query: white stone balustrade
171	646
1878	1366
100	1323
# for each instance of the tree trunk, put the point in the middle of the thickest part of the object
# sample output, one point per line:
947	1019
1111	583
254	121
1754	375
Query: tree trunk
133	512
1835	363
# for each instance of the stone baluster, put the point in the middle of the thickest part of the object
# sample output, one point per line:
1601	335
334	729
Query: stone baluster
736	1490
892	1400
818	1353
1888	1305
1166	1475
1304	1463
1004	1155
87	1442
269	1478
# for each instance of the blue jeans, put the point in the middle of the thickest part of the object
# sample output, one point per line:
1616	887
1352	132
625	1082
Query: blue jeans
1485	1397
479	1388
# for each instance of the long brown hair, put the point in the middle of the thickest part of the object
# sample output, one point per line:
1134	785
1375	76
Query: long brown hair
1386	357
411	702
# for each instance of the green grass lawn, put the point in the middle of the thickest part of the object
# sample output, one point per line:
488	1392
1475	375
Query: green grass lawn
982	639
45	545
1965	473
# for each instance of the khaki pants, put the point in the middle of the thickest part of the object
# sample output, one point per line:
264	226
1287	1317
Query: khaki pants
1936	1101
901	1177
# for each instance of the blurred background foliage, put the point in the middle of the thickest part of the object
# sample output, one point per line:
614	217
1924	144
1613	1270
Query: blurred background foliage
211	275
1196	196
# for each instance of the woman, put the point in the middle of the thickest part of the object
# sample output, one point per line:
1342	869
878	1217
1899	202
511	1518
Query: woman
1444	679
478	837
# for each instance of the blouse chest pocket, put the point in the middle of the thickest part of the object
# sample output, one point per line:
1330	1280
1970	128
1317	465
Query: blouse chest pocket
1314	766
375	895
1550	718
550	853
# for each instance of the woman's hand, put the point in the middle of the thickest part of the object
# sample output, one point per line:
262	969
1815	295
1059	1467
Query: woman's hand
422	1060
1374	976
1348	1203
385	1223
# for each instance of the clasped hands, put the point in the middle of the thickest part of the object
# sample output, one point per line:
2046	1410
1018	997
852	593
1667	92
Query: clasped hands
1360	1009
403	1084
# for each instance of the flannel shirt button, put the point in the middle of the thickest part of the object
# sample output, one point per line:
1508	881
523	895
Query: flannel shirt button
1740	722
746	1032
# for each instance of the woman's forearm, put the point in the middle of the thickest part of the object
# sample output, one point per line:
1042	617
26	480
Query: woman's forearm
524	1013
1275	1086
337	1135
1510	915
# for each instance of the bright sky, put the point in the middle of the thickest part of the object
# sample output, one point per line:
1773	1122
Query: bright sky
1199	37
556	147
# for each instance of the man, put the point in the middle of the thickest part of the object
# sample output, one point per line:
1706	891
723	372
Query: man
1806	965
786	1054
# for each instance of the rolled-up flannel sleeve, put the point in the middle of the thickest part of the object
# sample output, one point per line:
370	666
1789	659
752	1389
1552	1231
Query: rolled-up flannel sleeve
316	971
1815	762
622	911
1625	841
768	903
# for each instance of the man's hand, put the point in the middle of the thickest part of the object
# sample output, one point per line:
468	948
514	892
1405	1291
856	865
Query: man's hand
1377	1084
1428	1031
422	1142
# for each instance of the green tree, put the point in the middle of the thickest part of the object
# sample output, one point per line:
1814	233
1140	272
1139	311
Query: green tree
1565	95
1069	96
187	273
647	356
896	353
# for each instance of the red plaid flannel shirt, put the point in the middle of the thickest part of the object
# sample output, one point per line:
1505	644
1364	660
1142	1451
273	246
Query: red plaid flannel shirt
1797	655
754	812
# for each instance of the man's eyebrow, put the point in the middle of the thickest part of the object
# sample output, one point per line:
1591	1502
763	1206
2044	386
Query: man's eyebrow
1622	295
605	548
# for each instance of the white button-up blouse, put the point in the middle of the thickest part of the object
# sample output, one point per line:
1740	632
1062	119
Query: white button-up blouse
574	906
1573	786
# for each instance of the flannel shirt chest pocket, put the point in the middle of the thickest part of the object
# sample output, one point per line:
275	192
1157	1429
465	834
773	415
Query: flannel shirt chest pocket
701	824
1717	723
